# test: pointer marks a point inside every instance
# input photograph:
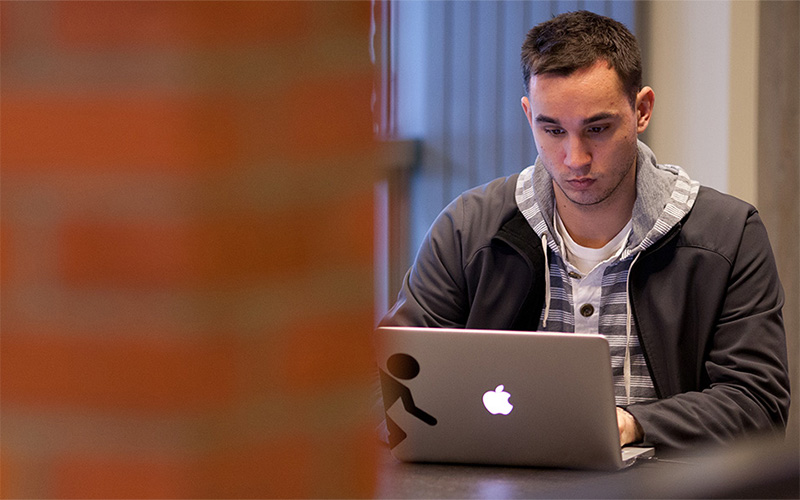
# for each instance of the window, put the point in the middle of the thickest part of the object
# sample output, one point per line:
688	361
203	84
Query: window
450	85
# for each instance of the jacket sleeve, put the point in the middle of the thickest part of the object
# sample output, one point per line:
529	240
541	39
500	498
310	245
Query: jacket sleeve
739	384
432	293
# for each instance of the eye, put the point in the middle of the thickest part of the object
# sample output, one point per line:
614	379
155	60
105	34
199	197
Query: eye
597	129
554	131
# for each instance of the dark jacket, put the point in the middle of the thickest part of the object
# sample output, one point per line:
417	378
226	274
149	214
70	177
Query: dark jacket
706	299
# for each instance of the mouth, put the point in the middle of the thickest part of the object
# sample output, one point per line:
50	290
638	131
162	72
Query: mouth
581	183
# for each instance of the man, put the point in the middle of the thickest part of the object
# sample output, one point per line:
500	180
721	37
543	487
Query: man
598	237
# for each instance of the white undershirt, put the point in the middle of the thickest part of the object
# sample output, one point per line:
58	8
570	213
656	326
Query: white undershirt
585	268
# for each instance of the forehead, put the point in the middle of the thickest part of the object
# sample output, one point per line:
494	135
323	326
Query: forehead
586	89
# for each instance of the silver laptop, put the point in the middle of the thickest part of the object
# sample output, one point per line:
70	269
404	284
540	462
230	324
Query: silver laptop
500	398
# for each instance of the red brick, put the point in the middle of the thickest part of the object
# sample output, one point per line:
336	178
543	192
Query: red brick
103	132
25	25
347	227
251	247
303	120
220	23
327	350
276	468
181	24
286	466
107	372
6	252
260	120
240	247
9	26
350	16
127	254
115	24
274	246
89	476
10	475
328	116
350	458
362	460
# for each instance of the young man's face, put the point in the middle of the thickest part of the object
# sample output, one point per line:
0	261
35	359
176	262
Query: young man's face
585	131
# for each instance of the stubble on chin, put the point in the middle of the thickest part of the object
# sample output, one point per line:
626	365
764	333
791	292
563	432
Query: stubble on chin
593	199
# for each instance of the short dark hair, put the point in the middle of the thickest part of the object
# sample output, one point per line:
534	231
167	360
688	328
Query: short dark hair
577	40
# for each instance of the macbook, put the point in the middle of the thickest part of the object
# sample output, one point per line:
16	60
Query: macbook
500	398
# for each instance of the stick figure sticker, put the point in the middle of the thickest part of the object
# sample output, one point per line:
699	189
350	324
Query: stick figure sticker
404	367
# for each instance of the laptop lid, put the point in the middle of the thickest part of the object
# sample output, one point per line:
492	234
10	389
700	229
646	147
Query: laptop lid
500	398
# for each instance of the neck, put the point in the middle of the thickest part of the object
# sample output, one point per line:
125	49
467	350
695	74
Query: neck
593	226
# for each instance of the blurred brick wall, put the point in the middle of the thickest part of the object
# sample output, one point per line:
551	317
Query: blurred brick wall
185	249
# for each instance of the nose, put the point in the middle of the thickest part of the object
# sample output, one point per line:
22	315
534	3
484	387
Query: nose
576	154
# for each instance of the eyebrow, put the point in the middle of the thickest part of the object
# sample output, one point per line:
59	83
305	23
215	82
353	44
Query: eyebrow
595	118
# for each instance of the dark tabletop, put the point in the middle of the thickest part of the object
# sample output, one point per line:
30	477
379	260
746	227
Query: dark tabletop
754	471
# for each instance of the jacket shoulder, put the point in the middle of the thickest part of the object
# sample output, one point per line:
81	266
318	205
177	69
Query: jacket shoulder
483	210
717	222
711	198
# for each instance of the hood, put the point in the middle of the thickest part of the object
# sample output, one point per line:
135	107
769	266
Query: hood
664	195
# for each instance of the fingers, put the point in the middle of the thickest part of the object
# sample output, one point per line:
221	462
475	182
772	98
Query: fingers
629	429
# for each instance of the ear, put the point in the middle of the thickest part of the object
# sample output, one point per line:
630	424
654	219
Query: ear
645	100
526	107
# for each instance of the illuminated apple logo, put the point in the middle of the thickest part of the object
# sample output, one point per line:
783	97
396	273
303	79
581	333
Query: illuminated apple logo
496	401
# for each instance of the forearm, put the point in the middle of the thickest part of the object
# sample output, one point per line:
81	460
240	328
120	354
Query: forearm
716	416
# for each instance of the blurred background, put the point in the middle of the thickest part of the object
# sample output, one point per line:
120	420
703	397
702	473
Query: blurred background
205	207
187	250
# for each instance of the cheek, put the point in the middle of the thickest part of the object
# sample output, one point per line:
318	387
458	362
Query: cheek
621	146
539	148
538	141
543	146
549	160
630	134
546	154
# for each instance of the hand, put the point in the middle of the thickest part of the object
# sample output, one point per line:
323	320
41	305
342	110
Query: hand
629	429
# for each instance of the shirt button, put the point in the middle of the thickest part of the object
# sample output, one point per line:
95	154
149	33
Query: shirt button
587	310
574	275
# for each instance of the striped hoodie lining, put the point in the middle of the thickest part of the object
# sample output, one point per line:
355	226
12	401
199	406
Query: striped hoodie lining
665	194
